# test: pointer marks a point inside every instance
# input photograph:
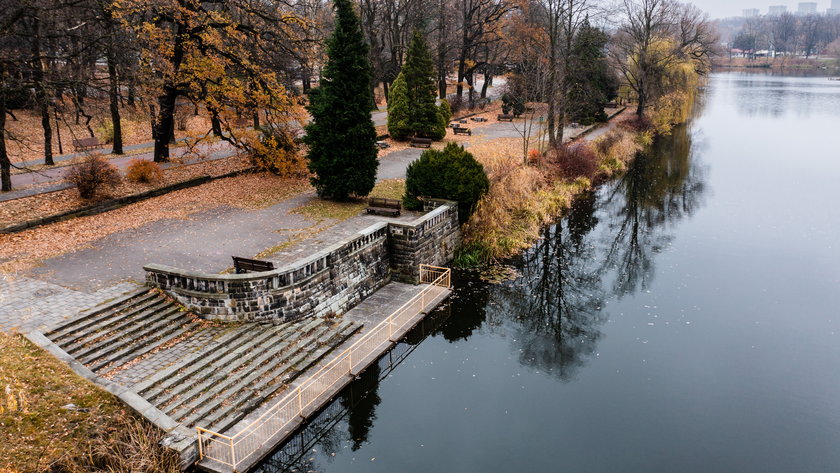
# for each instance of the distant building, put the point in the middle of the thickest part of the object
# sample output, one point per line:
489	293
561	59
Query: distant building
806	8
776	9
835	8
752	12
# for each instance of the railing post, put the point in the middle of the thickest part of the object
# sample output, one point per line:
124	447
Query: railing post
200	446
300	402
232	454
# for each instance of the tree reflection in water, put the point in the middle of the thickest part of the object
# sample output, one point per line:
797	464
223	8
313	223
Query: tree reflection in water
604	248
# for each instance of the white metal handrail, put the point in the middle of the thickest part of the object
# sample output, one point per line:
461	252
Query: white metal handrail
231	450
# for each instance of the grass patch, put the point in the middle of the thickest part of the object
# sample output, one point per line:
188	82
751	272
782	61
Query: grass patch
320	209
37	434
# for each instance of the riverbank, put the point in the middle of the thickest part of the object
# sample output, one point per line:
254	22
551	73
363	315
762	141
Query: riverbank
523	198
780	62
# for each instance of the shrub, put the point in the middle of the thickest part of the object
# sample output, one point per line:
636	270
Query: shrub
512	105
444	115
533	156
92	174
574	160
105	131
277	153
451	174
140	170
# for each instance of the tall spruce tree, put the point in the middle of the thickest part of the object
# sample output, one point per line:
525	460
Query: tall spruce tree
411	103
590	83
399	110
341	136
419	71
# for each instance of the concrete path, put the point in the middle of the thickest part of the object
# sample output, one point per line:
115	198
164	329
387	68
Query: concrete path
54	177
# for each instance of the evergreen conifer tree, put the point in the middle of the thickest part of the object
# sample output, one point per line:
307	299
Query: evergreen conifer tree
398	110
422	90
341	136
589	81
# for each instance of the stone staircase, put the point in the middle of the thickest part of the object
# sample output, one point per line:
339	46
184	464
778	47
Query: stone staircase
196	372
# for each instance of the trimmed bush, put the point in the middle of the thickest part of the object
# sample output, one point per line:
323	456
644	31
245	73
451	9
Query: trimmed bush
140	170
451	174
92	174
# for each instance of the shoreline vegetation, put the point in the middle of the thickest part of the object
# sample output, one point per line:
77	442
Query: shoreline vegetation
781	62
524	198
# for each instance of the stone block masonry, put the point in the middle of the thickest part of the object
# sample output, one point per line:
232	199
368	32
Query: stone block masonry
332	280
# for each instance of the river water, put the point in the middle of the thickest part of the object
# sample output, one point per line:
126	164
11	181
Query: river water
683	318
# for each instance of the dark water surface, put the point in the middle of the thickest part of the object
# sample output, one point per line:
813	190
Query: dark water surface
684	318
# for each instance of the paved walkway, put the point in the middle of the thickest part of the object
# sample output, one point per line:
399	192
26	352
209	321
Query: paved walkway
52	179
27	303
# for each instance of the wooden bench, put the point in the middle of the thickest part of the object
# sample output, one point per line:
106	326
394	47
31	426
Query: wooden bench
86	144
382	145
246	265
503	118
382	206
420	142
459	130
478	119
611	105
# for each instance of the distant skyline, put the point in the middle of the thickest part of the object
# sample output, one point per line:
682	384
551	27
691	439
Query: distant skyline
728	8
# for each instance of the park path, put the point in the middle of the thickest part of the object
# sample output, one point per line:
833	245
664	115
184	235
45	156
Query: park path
204	242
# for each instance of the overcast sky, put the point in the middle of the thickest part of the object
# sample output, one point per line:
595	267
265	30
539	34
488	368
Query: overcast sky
727	8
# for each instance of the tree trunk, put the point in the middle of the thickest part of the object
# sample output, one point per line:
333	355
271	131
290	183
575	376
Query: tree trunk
488	78
5	165
163	124
386	89
256	120
41	95
115	103
215	124
58	130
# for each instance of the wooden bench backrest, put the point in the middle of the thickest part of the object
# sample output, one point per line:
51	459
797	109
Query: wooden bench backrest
247	264
86	142
385	203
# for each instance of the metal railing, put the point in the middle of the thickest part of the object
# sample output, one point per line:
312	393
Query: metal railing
231	450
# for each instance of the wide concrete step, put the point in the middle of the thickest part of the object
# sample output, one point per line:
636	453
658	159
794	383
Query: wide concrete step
267	386
239	381
191	382
162	317
99	317
96	337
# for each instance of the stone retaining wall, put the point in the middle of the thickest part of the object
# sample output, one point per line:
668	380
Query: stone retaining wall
330	281
431	239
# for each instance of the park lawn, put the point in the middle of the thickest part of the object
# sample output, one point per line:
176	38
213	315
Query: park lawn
321	209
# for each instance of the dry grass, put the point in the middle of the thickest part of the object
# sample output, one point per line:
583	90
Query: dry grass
40	435
320	209
522	199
